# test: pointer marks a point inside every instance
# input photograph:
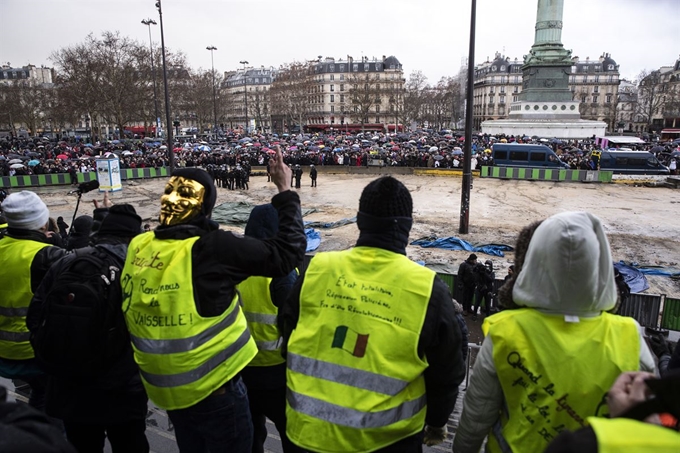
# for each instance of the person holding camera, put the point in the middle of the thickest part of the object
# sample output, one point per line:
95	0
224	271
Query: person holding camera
484	277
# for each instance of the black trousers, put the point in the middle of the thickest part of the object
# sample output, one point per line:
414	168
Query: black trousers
124	437
269	403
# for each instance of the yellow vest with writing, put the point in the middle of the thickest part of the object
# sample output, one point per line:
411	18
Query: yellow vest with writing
261	313
624	435
16	257
355	380
554	373
182	356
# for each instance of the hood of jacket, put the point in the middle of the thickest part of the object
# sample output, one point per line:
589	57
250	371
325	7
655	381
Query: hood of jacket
568	267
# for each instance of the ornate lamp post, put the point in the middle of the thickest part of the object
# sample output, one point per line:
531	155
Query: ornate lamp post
245	90
157	119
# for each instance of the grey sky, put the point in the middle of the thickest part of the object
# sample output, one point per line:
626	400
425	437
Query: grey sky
426	35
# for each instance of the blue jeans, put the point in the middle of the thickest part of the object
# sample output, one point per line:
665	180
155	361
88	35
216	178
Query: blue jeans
219	423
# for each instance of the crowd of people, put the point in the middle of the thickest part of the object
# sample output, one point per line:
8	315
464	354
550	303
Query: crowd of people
346	351
415	149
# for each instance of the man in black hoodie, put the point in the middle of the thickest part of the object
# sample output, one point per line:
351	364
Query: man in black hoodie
188	331
373	345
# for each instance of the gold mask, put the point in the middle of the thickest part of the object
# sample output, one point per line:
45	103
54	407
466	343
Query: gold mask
181	201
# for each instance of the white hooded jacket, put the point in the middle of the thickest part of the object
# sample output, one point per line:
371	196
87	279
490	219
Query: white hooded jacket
567	270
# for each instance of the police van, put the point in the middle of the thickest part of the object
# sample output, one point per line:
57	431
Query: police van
628	162
521	155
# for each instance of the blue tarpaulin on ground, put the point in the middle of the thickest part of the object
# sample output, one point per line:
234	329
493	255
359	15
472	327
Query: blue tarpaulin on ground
633	277
453	243
313	239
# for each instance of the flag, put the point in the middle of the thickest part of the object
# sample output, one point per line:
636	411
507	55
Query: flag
351	341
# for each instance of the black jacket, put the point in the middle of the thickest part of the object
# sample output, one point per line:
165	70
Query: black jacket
222	259
117	395
440	339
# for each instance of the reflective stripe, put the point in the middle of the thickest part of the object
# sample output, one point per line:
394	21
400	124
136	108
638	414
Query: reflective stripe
15	312
184	344
344	416
269	345
16	337
260	318
175	380
345	375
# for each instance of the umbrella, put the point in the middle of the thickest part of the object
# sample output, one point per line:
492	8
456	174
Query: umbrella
62	156
456	152
15	161
3	157
16	166
33	163
115	142
438	157
126	153
89	145
163	147
271	151
433	149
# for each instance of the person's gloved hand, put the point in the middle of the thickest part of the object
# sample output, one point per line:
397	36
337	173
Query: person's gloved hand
658	345
434	436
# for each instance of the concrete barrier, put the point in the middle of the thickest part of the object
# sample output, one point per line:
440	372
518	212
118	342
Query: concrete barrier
546	174
57	179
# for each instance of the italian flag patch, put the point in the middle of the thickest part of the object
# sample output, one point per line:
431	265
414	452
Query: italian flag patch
351	341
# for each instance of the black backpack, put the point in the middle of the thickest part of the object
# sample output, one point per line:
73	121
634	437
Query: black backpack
81	330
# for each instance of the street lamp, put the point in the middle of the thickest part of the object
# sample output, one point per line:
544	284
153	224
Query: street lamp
87	127
157	119
168	127
212	63
245	89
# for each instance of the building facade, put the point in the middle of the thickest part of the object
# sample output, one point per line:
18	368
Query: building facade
593	83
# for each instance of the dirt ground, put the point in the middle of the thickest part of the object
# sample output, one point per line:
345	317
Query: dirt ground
642	223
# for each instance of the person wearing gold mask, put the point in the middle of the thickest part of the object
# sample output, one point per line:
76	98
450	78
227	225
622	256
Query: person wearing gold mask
188	331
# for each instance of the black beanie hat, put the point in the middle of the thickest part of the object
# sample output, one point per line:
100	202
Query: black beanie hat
386	197
122	220
202	177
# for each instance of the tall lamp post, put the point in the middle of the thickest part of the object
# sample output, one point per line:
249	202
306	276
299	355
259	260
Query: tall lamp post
168	123
245	89
157	119
212	63
87	127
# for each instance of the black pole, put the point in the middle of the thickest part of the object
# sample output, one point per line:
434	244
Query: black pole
156	119
212	63
168	124
467	150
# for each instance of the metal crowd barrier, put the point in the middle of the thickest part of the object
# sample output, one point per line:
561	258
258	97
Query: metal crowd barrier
657	311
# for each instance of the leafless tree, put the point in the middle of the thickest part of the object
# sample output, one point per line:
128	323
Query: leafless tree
365	93
290	93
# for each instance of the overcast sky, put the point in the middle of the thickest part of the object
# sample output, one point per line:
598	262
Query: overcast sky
426	35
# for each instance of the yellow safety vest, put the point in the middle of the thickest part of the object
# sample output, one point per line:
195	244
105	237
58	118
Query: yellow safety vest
355	380
554	373
16	257
623	434
261	313
182	356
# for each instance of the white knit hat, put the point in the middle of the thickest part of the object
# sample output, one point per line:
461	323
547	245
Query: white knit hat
25	210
